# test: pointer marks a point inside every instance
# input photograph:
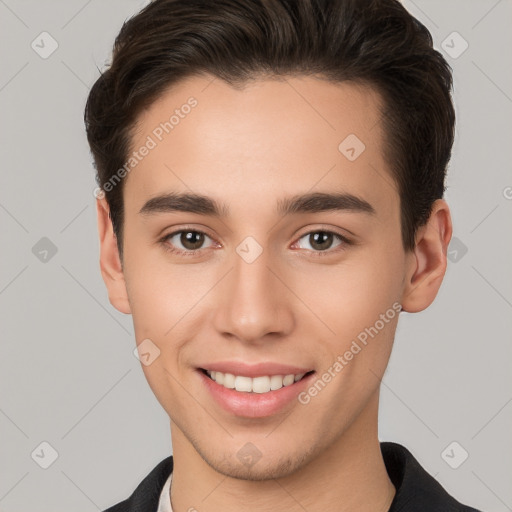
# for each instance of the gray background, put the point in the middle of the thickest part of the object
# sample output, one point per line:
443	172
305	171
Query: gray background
67	369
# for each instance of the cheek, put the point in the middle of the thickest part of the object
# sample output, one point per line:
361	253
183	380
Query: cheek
351	295
358	302
157	292
162	299
166	305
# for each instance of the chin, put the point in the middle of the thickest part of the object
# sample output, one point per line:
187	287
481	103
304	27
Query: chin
259	467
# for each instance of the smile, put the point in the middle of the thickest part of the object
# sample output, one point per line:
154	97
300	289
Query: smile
262	384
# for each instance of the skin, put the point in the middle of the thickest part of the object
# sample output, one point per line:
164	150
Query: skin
250	148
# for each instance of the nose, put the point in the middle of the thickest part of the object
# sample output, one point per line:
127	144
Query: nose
254	303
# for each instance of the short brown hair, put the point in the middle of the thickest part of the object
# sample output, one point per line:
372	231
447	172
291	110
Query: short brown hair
373	42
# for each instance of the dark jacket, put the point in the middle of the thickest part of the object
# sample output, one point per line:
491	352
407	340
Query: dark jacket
416	490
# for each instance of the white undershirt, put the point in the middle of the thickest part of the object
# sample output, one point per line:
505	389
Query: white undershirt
164	504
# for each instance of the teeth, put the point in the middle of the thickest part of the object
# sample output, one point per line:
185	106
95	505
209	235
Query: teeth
229	380
276	382
242	383
254	385
260	384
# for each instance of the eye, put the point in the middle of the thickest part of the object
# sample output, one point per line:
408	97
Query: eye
189	242
186	241
320	241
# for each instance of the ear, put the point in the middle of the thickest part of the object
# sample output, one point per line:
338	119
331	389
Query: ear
110	262
427	262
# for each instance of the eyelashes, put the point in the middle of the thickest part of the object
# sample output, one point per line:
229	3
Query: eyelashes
183	237
186	252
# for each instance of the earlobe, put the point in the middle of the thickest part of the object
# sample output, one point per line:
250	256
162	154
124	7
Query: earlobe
427	262
110	262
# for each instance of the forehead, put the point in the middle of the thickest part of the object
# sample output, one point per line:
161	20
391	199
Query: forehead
270	137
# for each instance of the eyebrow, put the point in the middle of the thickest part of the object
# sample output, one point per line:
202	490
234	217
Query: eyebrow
314	202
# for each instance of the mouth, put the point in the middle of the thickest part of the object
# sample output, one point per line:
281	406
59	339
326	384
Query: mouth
260	384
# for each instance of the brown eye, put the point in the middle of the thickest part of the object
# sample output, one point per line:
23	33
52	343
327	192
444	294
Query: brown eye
321	241
191	240
185	241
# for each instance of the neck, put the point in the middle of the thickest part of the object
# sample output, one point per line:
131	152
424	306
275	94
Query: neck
348	475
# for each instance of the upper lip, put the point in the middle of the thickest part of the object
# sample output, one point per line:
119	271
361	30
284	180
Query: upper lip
254	370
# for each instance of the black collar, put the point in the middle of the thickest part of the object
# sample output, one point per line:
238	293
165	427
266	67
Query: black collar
416	490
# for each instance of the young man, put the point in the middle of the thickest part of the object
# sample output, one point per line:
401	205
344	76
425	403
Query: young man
272	174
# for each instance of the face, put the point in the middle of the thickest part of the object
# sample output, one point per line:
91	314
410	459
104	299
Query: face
249	283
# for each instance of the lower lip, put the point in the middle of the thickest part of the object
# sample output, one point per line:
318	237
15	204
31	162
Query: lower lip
254	405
